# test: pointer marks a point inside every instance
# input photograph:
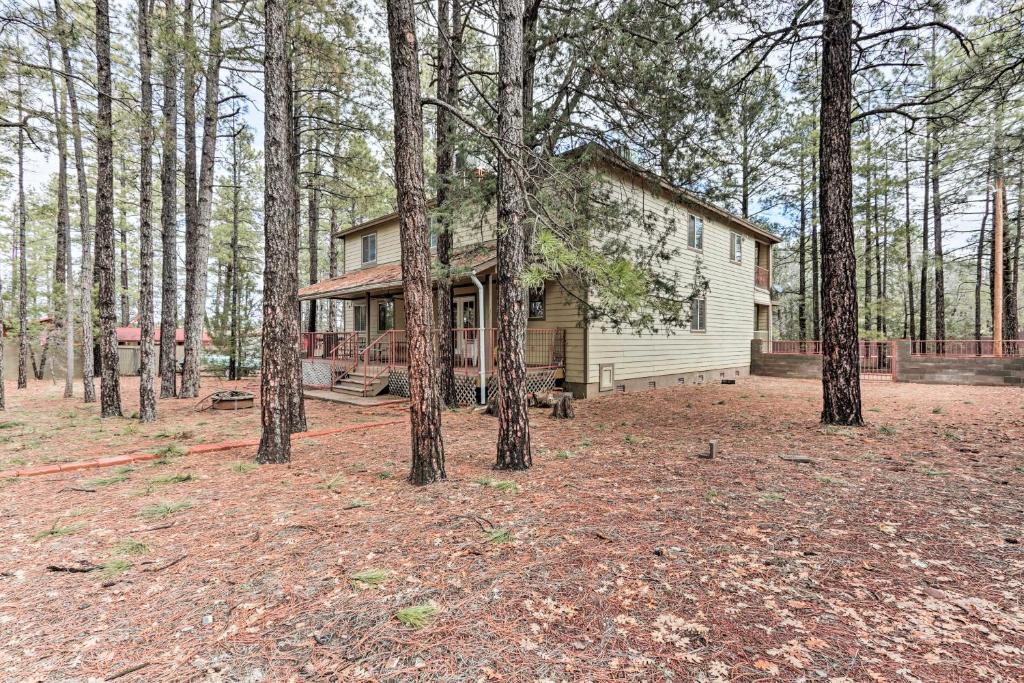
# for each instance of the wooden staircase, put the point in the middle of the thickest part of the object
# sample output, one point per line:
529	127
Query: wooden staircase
355	384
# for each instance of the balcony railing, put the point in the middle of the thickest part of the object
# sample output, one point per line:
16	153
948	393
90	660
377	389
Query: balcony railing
762	277
967	348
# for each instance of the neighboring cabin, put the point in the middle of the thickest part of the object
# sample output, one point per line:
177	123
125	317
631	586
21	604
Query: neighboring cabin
734	256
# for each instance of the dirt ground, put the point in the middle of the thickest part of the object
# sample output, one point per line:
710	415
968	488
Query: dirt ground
894	555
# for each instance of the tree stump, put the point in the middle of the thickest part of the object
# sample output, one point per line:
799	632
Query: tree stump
562	408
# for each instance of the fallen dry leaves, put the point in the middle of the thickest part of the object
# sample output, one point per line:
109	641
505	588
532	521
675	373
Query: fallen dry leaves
895	555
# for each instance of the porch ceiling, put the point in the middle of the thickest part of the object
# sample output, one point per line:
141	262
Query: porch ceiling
358	283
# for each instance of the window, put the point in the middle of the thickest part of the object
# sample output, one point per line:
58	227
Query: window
736	248
536	308
359	317
370	248
695	233
385	316
698	314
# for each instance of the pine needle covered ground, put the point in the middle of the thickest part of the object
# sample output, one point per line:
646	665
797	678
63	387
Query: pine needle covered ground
897	553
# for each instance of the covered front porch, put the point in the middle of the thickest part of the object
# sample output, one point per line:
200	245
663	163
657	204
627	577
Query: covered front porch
369	353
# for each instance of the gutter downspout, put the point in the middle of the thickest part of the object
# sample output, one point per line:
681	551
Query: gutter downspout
483	357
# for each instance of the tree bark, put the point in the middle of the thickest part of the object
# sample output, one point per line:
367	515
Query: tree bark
868	237
296	404
147	397
908	236
513	450
169	214
940	283
22	258
279	329
110	381
802	301
424	398
125	300
840	360
332	244
815	261
923	309
197	239
313	228
980	259
447	92
63	271
88	385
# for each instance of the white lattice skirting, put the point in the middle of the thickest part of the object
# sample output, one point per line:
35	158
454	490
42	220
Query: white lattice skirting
466	387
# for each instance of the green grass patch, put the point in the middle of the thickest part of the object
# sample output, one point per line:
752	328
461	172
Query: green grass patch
131	547
56	531
17	462
886	430
177	478
243	467
585	443
632	440
334	483
501	485
772	497
120	474
930	472
563	454
937	410
168	454
357	503
416	616
165	509
10	424
498	535
371	577
385	475
113	568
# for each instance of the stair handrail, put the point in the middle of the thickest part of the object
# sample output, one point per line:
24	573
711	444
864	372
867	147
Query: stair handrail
368	379
348	362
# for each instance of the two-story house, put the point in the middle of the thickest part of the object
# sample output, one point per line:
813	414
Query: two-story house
734	254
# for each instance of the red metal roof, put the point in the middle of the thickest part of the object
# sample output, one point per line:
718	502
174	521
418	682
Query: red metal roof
390	275
132	335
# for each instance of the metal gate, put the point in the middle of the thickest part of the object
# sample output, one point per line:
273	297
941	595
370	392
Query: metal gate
877	360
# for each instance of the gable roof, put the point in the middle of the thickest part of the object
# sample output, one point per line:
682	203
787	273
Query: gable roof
607	156
475	257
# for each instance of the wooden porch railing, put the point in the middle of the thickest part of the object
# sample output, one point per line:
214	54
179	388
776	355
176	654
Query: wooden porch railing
762	277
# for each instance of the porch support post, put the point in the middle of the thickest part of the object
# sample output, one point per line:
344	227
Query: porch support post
483	346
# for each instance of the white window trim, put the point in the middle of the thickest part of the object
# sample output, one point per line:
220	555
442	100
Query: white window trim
691	221
735	238
702	317
362	249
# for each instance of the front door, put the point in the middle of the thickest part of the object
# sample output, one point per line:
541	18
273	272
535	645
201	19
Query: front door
467	333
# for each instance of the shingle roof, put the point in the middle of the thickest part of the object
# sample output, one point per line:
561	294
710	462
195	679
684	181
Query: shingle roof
389	275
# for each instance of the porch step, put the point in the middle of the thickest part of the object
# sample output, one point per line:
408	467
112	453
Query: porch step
354	382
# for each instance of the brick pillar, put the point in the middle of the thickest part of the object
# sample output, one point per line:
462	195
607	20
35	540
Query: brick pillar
901	358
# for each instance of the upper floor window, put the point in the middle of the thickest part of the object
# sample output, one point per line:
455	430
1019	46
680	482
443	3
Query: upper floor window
698	314
536	307
695	233
736	248
370	248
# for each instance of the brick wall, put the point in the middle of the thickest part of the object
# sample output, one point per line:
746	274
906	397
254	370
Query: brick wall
799	366
979	371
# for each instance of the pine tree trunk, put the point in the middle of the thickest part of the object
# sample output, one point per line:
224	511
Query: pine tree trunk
125	318
197	240
980	258
802	301
922	333
296	405
424	398
63	271
908	236
147	398
22	259
868	238
89	388
110	387
235	362
815	261
940	283
447	92
332	244
169	214
279	206
513	450
1013	328
840	360
313	228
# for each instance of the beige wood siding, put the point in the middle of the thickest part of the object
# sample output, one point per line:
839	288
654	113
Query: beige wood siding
561	311
389	249
730	303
